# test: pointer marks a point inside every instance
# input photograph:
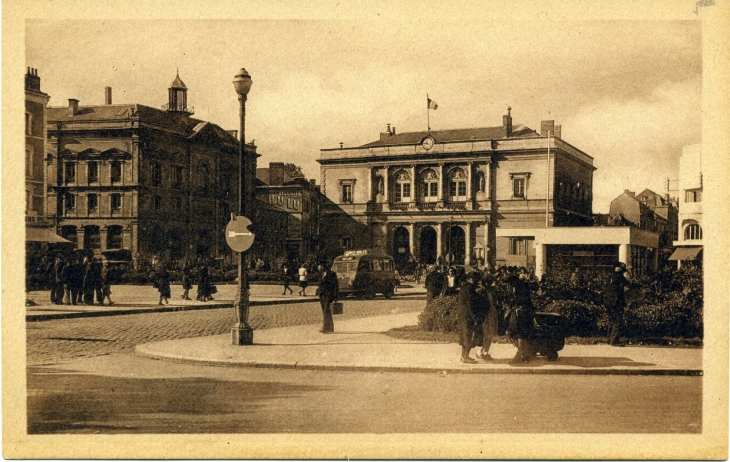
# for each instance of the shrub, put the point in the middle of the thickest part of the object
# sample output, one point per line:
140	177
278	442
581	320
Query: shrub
439	315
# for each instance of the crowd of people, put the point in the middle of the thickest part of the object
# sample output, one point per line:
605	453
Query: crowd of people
492	302
79	281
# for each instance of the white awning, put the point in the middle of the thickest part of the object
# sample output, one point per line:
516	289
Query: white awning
686	253
43	235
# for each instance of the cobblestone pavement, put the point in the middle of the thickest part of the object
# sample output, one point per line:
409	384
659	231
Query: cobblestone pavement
51	342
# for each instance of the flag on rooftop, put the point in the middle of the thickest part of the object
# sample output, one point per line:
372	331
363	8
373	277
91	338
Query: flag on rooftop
432	104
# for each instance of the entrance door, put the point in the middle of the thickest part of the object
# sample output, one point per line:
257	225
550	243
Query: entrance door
401	247
428	245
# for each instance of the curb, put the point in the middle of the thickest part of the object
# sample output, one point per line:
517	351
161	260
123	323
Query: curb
519	370
167	309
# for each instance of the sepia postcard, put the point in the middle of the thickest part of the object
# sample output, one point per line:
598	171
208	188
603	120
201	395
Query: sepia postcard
365	230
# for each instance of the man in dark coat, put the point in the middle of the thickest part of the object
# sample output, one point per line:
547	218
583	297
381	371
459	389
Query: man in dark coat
73	277
430	283
616	302
328	292
467	297
487	314
57	281
522	321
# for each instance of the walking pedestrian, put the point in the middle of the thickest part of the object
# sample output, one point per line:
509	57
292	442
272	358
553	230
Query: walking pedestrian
615	299
466	318
328	292
89	281
162	283
106	288
96	268
488	314
286	278
204	283
303	280
186	280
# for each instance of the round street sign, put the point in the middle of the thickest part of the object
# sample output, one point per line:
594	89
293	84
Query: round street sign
238	237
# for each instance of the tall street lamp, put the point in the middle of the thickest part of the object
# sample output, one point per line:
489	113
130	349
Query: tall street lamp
242	333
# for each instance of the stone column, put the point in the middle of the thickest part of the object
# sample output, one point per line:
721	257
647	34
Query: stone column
488	183
80	232
442	182
540	259
411	239
467	242
413	183
386	185
624	254
469	181
369	186
439	239
103	233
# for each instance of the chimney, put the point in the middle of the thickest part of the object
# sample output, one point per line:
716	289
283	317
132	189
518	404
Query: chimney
558	131
393	131
107	95
507	123
547	126
73	106
630	193
386	134
32	81
313	182
276	173
233	133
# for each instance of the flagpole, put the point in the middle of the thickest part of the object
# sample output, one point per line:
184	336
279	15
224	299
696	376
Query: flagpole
428	113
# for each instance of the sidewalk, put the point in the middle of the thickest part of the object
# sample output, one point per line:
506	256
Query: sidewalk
362	345
131	299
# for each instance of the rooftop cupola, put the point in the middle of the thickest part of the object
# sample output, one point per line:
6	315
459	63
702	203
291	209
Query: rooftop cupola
178	97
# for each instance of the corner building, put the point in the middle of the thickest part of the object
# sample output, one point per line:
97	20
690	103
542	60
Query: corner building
444	193
129	180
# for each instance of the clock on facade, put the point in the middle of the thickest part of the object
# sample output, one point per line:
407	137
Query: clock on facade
427	142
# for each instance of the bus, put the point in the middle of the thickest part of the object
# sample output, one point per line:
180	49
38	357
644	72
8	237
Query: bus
363	273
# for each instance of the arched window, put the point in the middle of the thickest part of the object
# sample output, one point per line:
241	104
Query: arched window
429	185
402	186
692	232
114	237
92	237
457	184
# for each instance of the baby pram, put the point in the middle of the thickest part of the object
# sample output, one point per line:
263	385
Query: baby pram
547	336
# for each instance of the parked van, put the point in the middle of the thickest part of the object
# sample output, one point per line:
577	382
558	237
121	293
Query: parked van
363	273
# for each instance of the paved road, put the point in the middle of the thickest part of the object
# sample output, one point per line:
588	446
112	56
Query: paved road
50	342
128	394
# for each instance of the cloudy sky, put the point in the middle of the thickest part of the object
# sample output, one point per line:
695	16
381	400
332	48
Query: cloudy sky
627	93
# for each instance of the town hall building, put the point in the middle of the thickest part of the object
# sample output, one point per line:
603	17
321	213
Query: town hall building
443	194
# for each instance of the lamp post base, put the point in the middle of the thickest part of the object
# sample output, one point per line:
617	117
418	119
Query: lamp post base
241	335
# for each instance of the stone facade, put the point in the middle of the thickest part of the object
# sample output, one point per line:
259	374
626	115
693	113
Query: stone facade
136	180
35	151
442	194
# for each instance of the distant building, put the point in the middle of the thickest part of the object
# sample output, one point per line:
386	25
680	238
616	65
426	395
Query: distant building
138	180
689	241
300	200
649	211
35	158
444	193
